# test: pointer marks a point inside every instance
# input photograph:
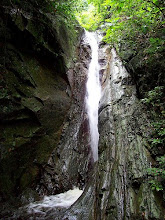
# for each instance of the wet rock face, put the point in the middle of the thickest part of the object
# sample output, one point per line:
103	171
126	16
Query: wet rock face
123	192
35	91
142	67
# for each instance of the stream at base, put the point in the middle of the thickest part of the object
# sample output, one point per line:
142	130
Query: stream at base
62	200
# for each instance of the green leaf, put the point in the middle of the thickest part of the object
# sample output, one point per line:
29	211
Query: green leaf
155	2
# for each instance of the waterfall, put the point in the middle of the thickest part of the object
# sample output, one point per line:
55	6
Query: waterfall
93	93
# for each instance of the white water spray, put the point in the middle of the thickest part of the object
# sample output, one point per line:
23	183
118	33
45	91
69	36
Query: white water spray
63	200
93	93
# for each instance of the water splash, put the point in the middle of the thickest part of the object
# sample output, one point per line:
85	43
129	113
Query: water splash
63	200
93	93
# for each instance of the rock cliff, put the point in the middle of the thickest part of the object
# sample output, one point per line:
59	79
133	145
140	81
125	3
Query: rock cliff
37	49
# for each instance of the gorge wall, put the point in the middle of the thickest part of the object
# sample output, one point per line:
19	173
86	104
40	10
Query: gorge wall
44	130
37	49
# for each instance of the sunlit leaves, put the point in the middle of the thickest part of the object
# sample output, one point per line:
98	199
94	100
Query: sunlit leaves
89	18
134	20
155	2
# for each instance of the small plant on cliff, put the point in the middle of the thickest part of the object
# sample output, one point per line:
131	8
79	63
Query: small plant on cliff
158	174
155	101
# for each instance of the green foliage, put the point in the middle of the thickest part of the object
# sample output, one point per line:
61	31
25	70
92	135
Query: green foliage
158	174
64	7
92	14
137	22
133	19
156	185
89	18
156	45
155	102
154	96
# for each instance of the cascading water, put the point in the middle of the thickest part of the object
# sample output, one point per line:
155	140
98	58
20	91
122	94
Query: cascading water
62	200
93	93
